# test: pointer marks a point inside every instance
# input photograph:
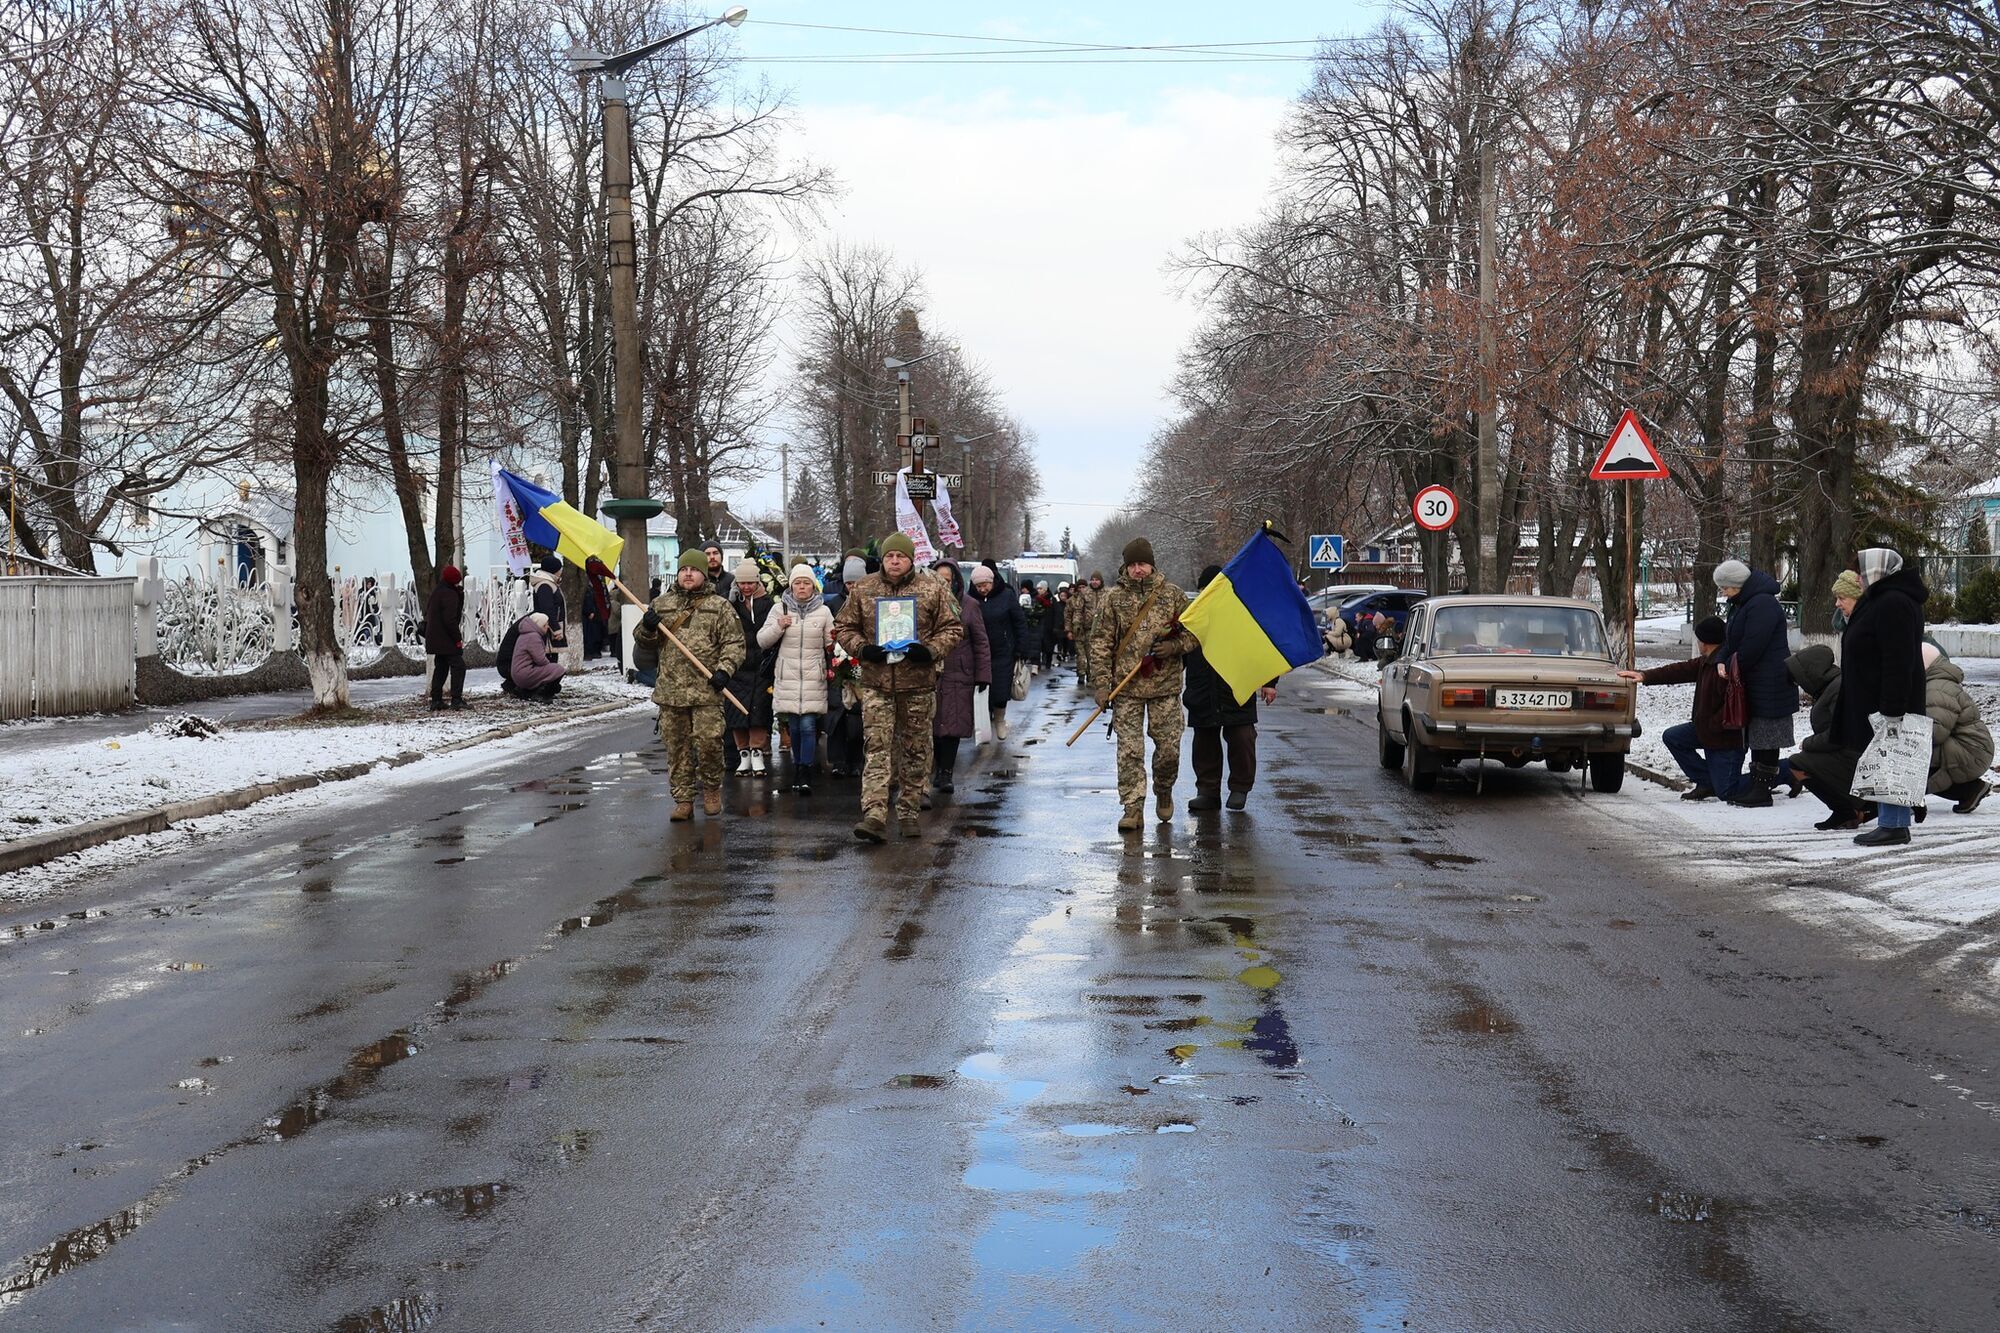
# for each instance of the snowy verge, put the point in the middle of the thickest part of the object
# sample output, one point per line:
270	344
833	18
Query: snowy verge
61	785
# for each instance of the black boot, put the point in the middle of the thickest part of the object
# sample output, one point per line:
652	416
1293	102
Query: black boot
1205	798
1756	792
802	779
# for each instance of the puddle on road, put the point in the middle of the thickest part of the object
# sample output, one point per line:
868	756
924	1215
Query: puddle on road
405	1314
923	1081
905	943
1444	860
465	1200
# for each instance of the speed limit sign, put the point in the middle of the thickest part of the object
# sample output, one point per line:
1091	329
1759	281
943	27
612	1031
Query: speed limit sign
1435	508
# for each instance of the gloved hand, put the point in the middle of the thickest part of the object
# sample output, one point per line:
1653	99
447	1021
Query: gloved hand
718	680
918	654
1149	664
1103	697
650	622
874	652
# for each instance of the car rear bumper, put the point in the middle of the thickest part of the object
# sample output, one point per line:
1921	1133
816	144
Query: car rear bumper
1553	735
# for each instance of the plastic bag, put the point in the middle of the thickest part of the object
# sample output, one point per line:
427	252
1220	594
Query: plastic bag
1895	769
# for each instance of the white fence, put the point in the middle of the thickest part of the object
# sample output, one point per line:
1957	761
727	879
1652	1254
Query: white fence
65	646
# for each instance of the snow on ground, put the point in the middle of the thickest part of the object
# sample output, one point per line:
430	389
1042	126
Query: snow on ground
1935	903
58	783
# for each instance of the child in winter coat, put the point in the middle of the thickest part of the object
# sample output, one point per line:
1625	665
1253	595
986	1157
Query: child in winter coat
798	633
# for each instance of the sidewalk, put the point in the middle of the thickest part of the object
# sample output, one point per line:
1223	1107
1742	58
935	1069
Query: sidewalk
107	776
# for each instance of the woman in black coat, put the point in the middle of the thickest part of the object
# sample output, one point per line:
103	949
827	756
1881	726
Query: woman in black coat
1006	640
751	731
1754	649
1882	668
1220	724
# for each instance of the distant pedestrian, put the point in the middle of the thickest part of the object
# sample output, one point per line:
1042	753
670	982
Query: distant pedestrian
1882	669
798	634
1051	625
1223	729
901	659
842	738
720	580
690	702
536	673
1138	642
967	667
750	726
599	615
1754	650
1961	743
1006	636
1707	750
444	626
546	582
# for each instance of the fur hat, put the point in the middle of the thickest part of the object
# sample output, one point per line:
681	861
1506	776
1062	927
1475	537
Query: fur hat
693	559
1138	551
1731	574
899	543
1848	584
1710	630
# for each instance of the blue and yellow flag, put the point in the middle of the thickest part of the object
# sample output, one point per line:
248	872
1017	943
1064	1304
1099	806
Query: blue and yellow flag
564	529
1252	620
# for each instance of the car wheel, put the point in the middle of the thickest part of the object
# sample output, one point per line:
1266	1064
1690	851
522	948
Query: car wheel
1419	766
1607	772
1387	751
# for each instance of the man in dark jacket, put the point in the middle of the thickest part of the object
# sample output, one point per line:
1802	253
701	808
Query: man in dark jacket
1882	669
1710	753
720	580
1006	640
444	626
1220	725
1754	651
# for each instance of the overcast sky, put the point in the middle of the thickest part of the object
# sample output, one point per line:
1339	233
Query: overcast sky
1044	202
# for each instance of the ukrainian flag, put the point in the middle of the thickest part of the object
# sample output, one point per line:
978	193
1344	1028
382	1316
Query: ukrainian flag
1252	620
565	529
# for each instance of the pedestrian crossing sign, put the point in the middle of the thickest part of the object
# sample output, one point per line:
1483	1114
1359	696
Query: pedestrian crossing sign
1629	455
1328	551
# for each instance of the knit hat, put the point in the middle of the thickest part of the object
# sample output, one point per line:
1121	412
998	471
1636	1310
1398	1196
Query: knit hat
1710	630
899	543
1848	584
1878	563
551	564
747	571
450	574
1208	576
802	572
984	574
1731	574
853	569
1138	551
695	559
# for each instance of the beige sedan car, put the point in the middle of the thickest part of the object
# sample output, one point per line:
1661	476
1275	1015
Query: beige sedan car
1512	679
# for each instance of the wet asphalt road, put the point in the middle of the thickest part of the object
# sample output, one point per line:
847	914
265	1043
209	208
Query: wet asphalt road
513	1053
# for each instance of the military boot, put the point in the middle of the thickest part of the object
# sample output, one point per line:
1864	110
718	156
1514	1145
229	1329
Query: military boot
1133	819
872	828
1163	804
909	826
683	812
711	802
1205	798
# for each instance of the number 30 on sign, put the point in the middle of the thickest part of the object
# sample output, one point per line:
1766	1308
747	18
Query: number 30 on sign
1434	508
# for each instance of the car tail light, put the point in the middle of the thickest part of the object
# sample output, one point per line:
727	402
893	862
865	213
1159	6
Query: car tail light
1465	698
1599	699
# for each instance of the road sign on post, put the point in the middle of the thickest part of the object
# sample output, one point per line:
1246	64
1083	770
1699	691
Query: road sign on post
1629	456
1327	551
923	485
1435	508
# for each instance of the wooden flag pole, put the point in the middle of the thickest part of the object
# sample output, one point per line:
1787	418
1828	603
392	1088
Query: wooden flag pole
612	579
1107	701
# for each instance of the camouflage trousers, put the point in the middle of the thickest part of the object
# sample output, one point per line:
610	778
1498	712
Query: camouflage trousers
694	749
897	731
1132	721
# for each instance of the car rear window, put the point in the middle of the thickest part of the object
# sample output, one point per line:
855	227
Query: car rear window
1531	631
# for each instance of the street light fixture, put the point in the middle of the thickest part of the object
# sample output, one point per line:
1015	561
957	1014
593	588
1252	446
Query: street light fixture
632	507
965	443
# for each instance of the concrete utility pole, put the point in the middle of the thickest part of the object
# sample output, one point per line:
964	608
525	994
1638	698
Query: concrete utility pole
785	498
632	507
1491	577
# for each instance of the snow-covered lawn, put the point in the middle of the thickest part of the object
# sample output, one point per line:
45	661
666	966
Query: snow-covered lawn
54	783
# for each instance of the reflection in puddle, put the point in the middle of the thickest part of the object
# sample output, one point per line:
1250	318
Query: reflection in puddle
406	1314
465	1200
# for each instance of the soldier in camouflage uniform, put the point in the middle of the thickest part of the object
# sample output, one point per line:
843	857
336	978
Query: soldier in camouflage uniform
898	699
1084	599
1138	624
690	702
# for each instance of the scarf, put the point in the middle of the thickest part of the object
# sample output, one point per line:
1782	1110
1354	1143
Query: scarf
1878	563
802	609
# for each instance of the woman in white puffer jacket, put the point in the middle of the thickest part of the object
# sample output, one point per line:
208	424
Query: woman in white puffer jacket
800	628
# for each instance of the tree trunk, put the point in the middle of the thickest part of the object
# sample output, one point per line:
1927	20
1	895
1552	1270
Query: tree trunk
388	387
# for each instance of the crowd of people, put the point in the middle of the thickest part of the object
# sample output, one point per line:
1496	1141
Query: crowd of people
1750	687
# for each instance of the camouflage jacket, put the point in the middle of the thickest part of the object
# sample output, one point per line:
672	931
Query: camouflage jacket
1083	600
1158	633
709	627
939	629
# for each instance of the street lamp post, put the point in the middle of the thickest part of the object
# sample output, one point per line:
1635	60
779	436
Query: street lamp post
965	443
632	507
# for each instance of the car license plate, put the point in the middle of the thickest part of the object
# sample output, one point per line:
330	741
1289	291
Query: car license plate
1543	699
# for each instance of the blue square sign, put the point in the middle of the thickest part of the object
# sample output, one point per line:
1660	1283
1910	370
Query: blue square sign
1327	551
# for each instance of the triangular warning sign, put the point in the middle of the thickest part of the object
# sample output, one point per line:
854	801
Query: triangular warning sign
1323	554
1629	455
